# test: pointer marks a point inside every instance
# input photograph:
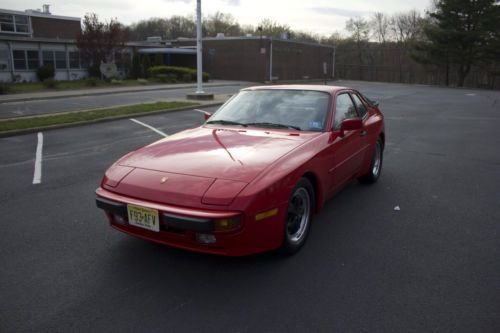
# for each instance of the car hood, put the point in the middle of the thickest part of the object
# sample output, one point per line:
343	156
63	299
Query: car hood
216	153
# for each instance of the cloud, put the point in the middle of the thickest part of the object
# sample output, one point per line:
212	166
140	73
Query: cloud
339	11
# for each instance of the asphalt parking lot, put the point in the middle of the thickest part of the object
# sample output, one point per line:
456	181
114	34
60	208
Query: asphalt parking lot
433	265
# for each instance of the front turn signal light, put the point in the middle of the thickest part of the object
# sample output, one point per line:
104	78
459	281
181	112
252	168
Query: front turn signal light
226	224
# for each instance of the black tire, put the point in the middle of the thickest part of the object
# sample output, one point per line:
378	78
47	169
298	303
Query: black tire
300	211
376	164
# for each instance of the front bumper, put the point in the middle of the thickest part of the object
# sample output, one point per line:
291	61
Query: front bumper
179	227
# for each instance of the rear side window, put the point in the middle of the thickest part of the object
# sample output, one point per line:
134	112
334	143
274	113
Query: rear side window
344	109
359	105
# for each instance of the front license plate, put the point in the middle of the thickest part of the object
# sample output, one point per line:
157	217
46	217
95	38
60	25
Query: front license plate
143	217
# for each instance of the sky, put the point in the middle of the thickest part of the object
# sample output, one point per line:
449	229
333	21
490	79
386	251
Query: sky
316	16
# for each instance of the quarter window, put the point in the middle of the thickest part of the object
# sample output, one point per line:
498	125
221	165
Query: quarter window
359	105
344	109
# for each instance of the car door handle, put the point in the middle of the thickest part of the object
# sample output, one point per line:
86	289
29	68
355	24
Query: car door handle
363	133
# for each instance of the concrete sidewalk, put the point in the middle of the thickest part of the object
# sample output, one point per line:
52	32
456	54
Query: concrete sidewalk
9	98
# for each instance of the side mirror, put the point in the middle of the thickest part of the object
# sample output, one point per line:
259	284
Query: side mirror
206	114
350	124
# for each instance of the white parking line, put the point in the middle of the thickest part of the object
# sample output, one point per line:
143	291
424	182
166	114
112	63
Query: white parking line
148	126
37	176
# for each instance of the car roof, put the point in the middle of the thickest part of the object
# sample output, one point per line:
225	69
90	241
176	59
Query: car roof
311	87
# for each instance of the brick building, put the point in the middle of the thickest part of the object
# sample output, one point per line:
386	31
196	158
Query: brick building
264	59
32	38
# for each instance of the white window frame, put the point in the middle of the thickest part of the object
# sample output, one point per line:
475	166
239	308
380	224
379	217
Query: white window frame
15	24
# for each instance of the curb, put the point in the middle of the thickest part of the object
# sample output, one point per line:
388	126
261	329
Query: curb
102	120
83	94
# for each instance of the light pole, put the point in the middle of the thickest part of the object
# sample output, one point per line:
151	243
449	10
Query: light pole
199	54
199	94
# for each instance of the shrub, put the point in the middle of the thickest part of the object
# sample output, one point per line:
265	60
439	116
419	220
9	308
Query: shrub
91	81
116	82
181	74
94	71
142	81
4	87
45	72
50	83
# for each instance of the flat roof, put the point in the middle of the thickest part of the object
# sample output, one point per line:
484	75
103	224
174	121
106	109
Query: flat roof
171	50
183	39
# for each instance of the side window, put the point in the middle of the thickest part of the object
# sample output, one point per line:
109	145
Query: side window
344	109
359	105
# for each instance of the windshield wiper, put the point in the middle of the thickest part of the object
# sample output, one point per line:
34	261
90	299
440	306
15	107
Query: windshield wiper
274	125
225	122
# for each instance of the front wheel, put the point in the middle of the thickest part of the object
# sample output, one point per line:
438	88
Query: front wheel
298	216
376	164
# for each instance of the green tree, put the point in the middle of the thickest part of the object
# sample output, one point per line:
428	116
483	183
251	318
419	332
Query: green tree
461	34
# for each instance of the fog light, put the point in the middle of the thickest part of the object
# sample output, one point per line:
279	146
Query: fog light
118	219
205	238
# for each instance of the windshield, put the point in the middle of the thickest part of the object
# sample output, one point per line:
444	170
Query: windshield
294	109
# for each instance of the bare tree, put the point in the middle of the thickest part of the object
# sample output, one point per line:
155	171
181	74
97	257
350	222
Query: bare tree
180	26
406	26
379	24
272	28
359	29
221	22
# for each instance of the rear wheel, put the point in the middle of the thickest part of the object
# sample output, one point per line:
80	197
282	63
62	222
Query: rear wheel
298	216
376	164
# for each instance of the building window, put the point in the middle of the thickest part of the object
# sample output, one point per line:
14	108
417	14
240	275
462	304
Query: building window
4	60
21	23
56	59
61	62
48	58
25	59
33	62
19	57
14	23
74	59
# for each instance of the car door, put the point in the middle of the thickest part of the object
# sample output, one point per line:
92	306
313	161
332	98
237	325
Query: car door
367	125
346	152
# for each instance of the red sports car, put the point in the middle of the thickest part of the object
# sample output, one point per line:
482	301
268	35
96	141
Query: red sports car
252	176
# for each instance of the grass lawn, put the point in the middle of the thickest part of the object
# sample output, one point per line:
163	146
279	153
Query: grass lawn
82	116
